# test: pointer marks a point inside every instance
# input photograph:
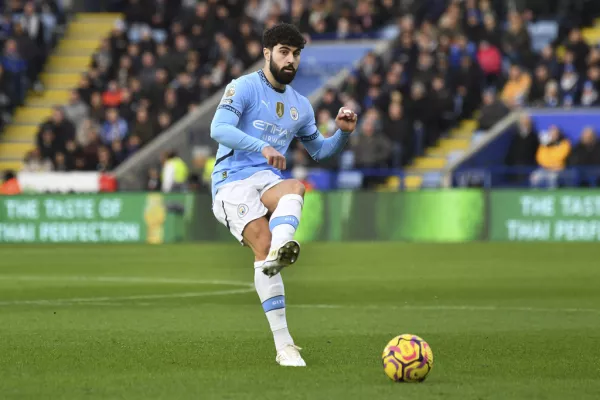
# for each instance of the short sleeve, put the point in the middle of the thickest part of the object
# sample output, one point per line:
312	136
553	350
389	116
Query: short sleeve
237	97
308	132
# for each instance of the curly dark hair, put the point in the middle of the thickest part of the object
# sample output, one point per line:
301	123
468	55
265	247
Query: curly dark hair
283	33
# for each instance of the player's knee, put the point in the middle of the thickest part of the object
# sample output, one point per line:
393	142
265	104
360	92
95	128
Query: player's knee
298	187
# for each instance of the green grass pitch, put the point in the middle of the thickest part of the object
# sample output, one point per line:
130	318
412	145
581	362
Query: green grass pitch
505	321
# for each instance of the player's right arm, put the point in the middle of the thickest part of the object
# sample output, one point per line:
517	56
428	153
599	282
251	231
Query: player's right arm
223	129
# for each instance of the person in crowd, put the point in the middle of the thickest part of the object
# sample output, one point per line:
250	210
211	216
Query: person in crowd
589	95
551	156
493	110
517	88
153	183
35	163
10	185
489	58
538	86
175	173
586	155
552	95
76	111
372	149
115	127
524	145
399	130
60	126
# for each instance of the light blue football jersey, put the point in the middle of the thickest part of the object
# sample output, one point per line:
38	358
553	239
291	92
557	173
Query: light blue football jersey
271	116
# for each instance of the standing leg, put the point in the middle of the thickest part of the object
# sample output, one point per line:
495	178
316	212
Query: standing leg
272	294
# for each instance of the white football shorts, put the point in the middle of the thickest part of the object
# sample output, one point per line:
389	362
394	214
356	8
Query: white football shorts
236	204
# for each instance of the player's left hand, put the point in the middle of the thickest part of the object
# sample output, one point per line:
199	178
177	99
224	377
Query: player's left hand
346	120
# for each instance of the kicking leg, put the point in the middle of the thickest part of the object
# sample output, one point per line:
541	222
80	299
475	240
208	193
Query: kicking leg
271	293
284	201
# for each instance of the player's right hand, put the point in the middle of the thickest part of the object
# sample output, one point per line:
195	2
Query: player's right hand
274	158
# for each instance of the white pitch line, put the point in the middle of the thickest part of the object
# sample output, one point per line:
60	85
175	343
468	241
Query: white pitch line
246	288
447	308
88	300
116	301
120	279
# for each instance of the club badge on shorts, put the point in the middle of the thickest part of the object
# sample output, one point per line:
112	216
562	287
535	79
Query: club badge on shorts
242	210
279	109
294	113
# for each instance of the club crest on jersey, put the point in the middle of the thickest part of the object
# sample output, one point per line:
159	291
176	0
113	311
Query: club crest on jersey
242	210
279	109
294	113
230	91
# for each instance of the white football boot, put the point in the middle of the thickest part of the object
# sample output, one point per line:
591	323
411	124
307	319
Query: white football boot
290	356
281	257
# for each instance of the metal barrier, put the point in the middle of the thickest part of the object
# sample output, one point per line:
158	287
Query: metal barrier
496	131
512	177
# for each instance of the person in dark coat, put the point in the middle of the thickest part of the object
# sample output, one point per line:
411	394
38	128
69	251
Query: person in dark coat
523	148
492	111
538	86
399	129
586	154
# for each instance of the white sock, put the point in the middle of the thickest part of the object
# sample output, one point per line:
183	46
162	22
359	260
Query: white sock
285	219
272	296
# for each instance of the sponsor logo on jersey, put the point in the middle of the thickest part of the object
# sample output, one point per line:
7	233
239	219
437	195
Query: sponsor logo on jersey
226	101
294	113
279	109
269	127
273	133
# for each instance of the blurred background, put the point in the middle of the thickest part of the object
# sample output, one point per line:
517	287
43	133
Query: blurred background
475	95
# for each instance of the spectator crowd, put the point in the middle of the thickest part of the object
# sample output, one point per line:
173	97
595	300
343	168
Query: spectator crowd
458	62
554	159
163	60
451	59
28	33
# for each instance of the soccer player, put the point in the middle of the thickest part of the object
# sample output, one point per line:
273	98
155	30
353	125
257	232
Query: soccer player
257	118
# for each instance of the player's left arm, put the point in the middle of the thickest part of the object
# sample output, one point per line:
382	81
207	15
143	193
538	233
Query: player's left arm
321	148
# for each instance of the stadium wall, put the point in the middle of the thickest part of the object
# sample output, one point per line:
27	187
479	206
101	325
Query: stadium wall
426	216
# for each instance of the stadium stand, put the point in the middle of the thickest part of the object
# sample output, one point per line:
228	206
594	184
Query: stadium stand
456	68
441	73
28	33
453	56
143	72
555	142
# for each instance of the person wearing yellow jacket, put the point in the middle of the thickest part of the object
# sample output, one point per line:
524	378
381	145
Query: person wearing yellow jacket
174	174
552	158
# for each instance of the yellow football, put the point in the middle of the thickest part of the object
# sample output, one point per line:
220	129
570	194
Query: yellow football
407	358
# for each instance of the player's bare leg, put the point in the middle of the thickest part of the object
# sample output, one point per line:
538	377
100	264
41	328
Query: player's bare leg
284	202
270	290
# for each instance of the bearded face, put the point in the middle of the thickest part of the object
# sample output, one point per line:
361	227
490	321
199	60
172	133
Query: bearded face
283	63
